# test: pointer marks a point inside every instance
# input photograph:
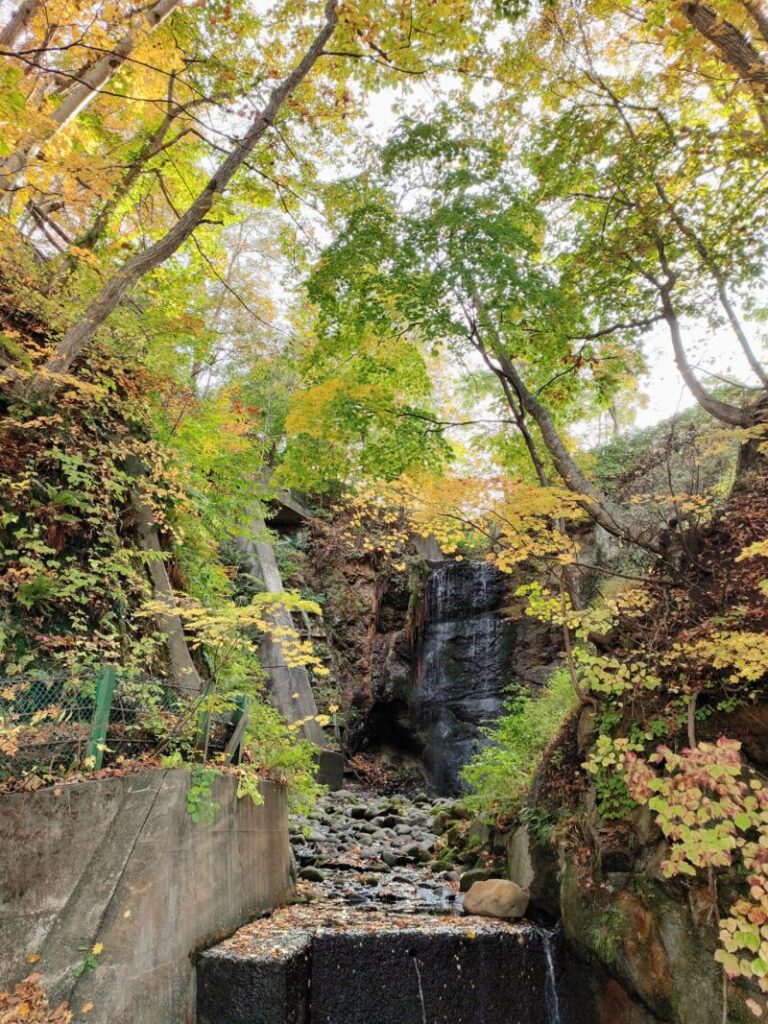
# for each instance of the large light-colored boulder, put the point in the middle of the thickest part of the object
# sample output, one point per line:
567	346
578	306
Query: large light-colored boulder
496	897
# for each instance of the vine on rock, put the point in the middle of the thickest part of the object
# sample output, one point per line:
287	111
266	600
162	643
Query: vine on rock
714	814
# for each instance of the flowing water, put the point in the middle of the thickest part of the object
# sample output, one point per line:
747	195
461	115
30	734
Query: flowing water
553	1001
460	676
377	935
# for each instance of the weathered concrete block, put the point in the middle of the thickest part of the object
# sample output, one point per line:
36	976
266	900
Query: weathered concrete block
365	969
120	862
330	769
268	986
444	977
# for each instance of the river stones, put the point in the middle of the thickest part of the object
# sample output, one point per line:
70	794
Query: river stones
468	878
496	897
310	874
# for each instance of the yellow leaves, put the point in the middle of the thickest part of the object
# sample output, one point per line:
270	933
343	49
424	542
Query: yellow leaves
10	739
604	674
745	654
308	415
685	504
453	509
757	550
32	958
228	628
51	712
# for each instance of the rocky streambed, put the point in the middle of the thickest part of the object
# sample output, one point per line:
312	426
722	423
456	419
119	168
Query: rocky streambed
371	852
377	934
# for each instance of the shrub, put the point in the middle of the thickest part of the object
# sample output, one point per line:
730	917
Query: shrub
499	775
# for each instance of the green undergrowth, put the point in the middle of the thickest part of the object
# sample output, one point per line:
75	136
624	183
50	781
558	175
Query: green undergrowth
500	774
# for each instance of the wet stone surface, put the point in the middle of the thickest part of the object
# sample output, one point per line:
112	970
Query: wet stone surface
374	853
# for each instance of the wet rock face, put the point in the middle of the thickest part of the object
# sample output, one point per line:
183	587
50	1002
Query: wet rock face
469	654
424	666
460	675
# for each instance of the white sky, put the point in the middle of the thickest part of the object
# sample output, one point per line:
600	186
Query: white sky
714	356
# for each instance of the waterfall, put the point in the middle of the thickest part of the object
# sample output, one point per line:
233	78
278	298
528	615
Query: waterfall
553	1002
461	674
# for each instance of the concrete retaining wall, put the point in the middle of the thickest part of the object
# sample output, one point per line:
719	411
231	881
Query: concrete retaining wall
120	862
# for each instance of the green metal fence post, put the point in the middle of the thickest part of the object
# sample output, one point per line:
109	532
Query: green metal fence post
104	691
234	747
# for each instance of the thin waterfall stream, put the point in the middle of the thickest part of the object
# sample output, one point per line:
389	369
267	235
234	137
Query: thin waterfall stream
553	1000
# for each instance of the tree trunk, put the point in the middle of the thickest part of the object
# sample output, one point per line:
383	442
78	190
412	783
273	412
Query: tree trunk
18	23
759	14
601	509
720	281
185	674
77	338
612	517
88	86
733	47
723	411
90	238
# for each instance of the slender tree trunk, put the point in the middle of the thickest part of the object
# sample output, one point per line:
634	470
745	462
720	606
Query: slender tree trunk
722	411
518	414
185	674
598	505
18	23
691	718
601	509
97	229
77	338
720	282
87	88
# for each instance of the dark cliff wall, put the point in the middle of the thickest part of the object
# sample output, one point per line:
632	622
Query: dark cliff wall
425	658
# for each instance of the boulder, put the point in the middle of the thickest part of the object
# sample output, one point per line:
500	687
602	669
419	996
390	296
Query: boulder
496	898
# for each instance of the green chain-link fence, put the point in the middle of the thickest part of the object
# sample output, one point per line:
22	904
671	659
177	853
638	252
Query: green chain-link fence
50	723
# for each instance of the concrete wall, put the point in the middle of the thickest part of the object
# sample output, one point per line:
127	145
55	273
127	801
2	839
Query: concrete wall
120	862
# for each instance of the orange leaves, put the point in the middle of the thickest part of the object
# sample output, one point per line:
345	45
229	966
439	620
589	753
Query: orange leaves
27	1003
